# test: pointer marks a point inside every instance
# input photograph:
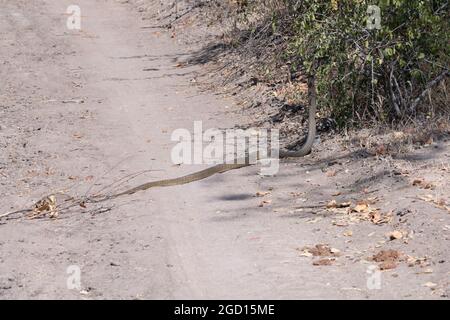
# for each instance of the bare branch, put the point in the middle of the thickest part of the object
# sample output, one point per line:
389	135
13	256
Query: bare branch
430	85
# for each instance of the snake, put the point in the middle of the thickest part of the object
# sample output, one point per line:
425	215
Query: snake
48	204
242	162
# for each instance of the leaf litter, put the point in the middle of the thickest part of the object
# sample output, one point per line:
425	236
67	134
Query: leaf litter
327	254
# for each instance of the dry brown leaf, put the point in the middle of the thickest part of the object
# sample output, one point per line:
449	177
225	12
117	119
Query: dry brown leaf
378	218
414	261
386	255
77	135
306	253
321	250
334	204
340	223
361	208
331	173
430	285
335	252
297	194
381	150
265	203
439	203
421	183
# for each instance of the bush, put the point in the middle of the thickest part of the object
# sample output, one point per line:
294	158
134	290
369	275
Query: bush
381	73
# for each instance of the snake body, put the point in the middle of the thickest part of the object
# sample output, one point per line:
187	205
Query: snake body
239	163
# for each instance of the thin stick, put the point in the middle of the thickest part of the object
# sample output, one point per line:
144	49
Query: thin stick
14	212
318	206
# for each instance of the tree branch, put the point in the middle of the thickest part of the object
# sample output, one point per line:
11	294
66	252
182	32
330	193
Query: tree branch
430	85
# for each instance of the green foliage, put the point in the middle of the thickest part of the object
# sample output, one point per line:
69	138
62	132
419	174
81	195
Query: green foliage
364	72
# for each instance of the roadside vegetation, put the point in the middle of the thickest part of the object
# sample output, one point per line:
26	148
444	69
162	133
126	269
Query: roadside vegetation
377	62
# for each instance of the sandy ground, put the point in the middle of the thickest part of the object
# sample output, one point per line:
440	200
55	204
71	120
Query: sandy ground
80	109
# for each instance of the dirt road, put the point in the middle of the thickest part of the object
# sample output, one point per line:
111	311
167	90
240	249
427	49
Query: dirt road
80	109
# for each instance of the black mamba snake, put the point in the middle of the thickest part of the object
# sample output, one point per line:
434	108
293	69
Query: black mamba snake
221	168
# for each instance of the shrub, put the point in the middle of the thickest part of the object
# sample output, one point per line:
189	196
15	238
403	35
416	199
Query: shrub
362	72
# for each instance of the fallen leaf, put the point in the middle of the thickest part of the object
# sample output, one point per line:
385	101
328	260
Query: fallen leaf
297	194
380	150
306	253
439	203
414	261
44	206
378	218
323	262
362	207
340	223
261	194
335	251
264	203
388	265
335	204
395	235
331	173
386	255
